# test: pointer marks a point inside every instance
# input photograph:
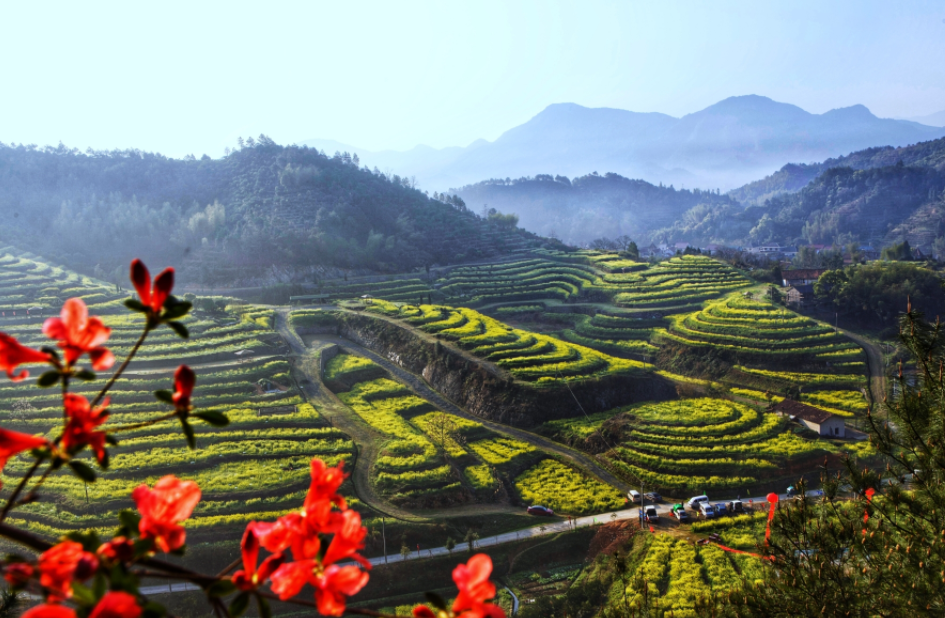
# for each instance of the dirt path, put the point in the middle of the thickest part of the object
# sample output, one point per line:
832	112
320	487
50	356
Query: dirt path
874	362
420	386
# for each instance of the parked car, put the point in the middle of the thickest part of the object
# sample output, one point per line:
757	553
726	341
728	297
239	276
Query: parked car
736	506
634	496
720	509
539	510
707	510
695	502
681	515
651	516
653	497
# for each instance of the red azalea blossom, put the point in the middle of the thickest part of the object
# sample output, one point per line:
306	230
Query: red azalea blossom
49	611
62	563
184	380
18	574
475	589
325	484
333	584
117	604
249	578
422	611
119	549
79	333
80	428
152	298
13	442
163	508
13	353
348	540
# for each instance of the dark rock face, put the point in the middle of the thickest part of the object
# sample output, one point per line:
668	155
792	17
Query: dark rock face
482	392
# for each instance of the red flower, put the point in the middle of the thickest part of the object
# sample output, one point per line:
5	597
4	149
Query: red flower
117	605
80	428
348	540
49	611
475	589
325	484
18	574
13	442
119	549
332	584
62	563
78	333
163	508
184	380
12	353
152	298
279	535
249	578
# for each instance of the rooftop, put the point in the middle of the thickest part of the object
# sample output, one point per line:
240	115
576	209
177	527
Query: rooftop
797	409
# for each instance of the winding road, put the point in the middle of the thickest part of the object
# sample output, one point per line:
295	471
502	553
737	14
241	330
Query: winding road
367	438
875	364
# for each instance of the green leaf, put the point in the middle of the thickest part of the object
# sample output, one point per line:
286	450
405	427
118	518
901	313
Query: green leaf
86	375
51	351
180	329
47	379
239	604
90	541
221	588
217	419
142	547
99	585
154	610
435	600
129	520
189	434
136	305
83	471
82	594
264	610
111	439
176	310
103	464
164	395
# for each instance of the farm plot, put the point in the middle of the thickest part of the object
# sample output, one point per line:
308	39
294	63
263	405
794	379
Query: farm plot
681	280
608	333
692	444
253	469
514	281
759	330
410	290
444	458
528	356
686	572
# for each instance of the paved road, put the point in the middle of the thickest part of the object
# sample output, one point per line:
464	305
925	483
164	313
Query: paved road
875	364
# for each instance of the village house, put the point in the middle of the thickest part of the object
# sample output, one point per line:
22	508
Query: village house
799	294
801	276
815	419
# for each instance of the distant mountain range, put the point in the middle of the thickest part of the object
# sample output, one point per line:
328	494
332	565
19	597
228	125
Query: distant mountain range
722	146
933	120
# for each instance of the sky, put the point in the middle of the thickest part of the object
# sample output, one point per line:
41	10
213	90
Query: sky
191	77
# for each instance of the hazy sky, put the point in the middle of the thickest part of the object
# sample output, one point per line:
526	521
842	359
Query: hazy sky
190	77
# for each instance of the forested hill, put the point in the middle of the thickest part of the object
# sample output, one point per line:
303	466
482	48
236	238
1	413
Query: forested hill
264	212
587	207
879	205
794	177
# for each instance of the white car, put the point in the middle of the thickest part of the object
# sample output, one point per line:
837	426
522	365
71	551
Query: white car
694	503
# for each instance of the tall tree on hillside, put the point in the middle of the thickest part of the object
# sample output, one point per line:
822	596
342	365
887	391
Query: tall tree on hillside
881	552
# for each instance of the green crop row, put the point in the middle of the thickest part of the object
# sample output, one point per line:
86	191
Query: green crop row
561	488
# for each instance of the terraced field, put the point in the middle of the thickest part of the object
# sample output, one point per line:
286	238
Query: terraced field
406	290
609	333
760	330
525	280
433	458
695	445
678	281
528	356
253	469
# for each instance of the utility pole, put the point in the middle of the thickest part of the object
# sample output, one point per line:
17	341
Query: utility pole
384	539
